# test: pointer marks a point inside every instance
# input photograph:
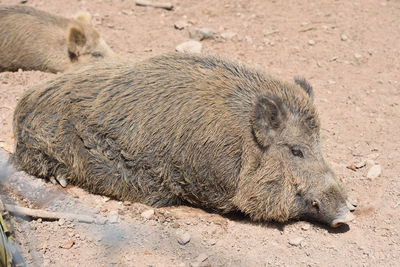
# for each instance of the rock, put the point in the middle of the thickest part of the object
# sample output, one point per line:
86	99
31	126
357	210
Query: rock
305	227
343	37
113	218
126	12
248	39
228	35
330	82
200	34
311	42
180	25
183	238
175	225
61	222
374	172
296	241
212	242
358	56
23	1
68	245
199	260
147	214
189	47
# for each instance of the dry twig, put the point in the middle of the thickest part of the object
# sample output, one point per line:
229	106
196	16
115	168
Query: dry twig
49	215
167	6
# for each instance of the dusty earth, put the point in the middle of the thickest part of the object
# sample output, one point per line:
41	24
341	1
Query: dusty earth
348	50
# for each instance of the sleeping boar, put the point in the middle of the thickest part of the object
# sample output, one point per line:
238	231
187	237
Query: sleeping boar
181	128
32	39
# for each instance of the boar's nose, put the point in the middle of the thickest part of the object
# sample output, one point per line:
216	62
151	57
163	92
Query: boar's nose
344	216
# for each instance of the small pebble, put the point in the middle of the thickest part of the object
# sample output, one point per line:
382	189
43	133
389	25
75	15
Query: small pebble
183	238
343	37
357	56
305	227
61	221
228	35
113	218
180	25
126	12
374	172
200	34
189	47
197	262
296	241
147	214
311	42
212	242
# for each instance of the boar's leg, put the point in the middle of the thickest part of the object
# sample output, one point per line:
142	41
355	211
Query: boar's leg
37	163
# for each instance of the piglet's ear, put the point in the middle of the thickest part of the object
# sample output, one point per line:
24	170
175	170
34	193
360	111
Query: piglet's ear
84	16
76	40
269	116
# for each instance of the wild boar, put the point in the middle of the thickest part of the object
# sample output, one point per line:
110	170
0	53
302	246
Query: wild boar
32	39
182	128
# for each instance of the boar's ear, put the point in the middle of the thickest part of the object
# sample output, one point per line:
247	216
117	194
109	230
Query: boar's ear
305	85
76	40
268	118
84	16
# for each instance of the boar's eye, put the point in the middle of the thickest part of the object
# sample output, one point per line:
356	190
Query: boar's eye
97	54
297	153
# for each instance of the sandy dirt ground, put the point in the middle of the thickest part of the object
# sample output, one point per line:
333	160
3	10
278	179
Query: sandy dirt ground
350	53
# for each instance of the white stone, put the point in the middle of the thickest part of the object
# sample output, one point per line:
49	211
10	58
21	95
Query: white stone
147	214
374	172
189	47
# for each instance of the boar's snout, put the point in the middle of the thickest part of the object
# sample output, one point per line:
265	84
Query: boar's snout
330	207
343	217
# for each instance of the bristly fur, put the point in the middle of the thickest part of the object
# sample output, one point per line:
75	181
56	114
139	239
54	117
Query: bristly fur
177	128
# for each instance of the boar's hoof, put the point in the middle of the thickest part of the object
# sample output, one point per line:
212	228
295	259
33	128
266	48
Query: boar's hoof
343	219
53	180
62	181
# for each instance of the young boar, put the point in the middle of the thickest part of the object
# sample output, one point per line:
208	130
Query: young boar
32	39
181	128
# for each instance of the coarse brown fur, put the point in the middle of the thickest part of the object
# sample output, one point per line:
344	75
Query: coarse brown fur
32	39
181	128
